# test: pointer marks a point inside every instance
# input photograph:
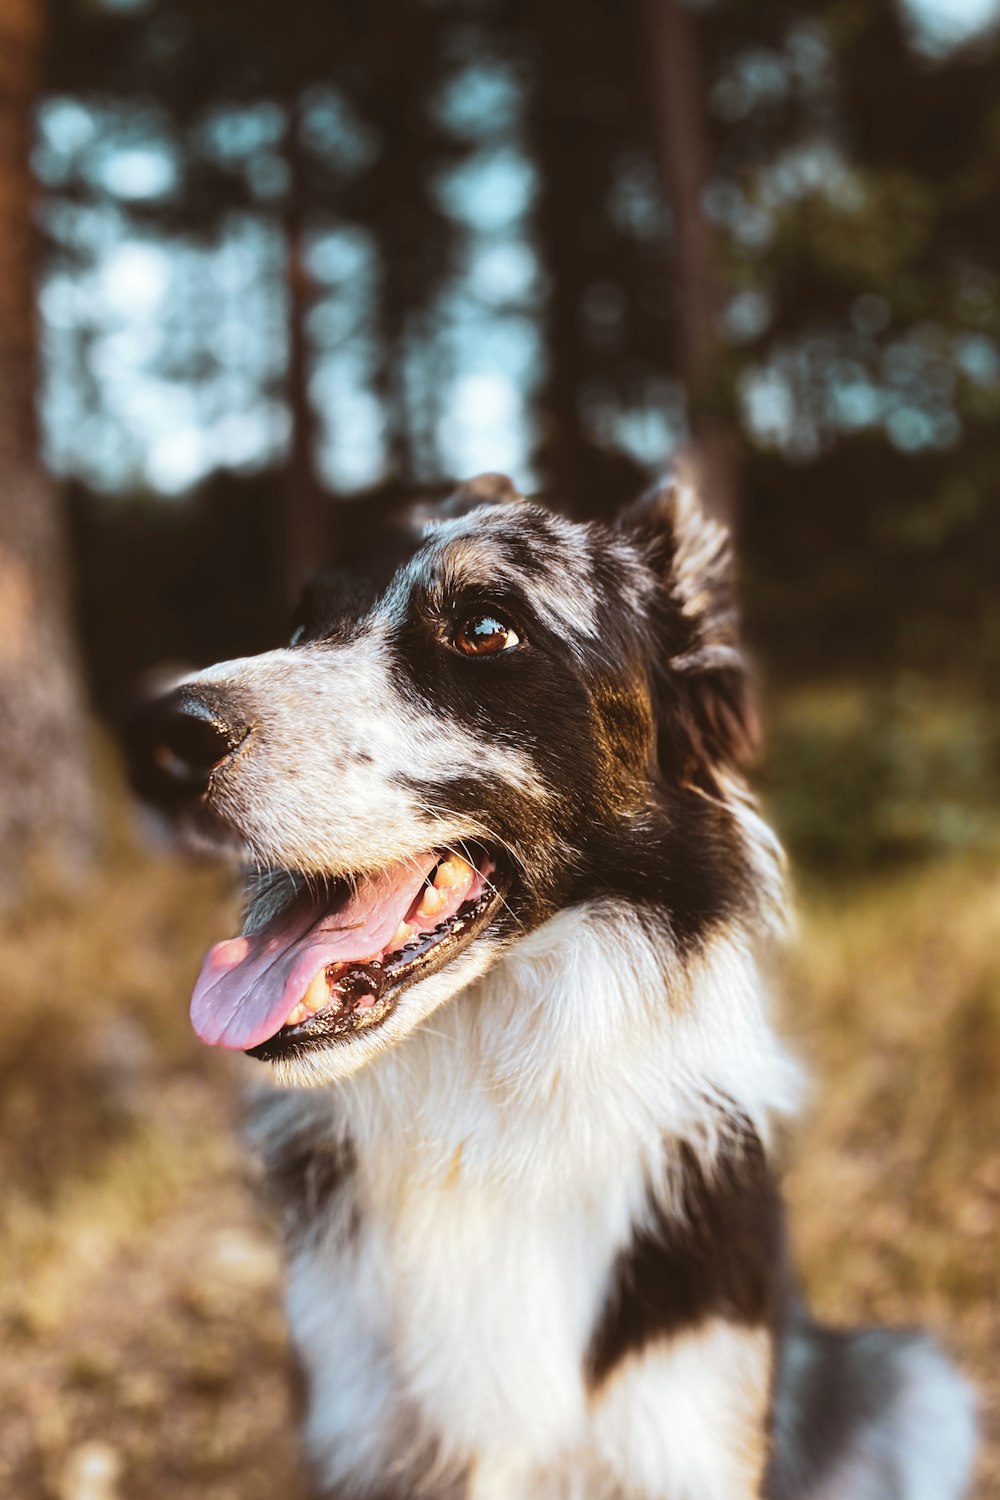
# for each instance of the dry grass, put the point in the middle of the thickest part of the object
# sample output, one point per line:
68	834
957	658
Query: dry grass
140	1307
145	1346
893	994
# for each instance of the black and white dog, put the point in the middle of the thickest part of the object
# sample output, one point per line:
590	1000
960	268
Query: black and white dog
508	901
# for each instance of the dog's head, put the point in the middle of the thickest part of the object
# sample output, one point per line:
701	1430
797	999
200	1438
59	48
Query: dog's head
531	714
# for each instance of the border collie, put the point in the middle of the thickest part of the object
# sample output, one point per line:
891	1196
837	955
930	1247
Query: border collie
508	901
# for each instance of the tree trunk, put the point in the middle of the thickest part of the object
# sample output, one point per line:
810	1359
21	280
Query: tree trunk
562	450
565	141
45	784
682	148
304	508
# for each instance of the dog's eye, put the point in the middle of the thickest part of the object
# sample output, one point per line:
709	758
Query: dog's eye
485	635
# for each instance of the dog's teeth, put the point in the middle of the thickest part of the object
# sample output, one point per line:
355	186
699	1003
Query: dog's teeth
431	902
452	873
297	1015
402	935
318	993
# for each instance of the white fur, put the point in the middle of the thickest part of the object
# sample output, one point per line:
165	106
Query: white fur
687	1420
579	1051
503	1155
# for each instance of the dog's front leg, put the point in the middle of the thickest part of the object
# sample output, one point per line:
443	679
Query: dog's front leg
687	1419
363	1438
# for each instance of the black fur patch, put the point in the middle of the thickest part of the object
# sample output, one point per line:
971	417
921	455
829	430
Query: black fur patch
680	858
721	1255
303	1177
632	809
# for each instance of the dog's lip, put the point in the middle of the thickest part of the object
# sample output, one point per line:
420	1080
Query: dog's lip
314	955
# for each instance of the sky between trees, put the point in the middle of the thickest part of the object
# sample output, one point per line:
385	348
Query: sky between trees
165	304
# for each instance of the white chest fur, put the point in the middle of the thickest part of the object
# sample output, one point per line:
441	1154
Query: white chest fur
502	1160
473	1310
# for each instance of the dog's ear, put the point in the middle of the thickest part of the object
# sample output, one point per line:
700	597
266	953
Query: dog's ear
484	489
702	676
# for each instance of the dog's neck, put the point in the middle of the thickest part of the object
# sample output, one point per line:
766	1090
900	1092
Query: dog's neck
587	1047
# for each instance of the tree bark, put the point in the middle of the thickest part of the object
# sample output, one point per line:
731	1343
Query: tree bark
46	794
562	451
683	151
304	508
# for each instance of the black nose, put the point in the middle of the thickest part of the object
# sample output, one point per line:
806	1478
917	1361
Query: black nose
177	741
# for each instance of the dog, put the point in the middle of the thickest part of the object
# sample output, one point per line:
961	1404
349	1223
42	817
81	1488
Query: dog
508	902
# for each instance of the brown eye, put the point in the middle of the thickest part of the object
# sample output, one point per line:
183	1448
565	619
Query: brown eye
485	635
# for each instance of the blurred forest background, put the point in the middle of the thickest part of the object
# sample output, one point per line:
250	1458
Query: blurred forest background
267	271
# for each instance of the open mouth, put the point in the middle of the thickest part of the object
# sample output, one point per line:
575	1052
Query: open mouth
325	968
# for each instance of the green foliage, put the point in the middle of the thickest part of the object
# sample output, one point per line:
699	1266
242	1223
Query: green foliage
863	776
868	233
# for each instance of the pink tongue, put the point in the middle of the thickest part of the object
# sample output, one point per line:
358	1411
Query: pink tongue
248	985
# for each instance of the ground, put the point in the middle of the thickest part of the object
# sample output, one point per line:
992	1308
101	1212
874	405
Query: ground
140	1302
